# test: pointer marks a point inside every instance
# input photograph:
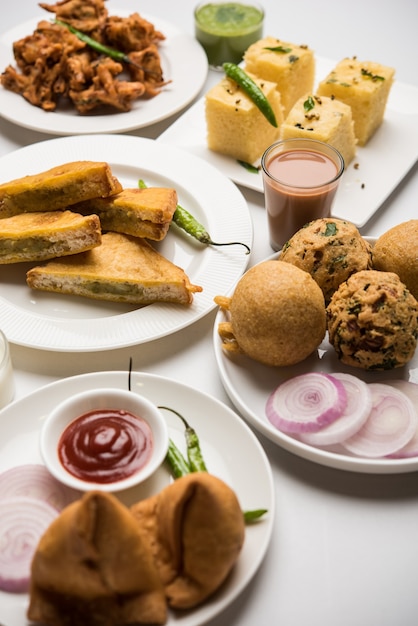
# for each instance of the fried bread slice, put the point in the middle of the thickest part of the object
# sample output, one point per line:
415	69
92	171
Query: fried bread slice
45	235
58	188
122	269
138	212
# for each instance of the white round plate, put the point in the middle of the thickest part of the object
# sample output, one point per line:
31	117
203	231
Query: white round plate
66	323
248	385
217	427
183	60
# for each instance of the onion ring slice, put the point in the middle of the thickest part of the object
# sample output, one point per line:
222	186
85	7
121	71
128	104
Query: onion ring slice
392	423
306	403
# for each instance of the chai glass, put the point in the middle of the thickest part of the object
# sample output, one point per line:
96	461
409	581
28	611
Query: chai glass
227	29
7	388
300	178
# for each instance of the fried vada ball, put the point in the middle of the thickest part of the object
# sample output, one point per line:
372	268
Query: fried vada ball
372	321
397	251
330	249
277	314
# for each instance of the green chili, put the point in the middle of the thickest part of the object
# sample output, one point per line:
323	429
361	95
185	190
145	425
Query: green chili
179	466
116	55
253	515
248	166
175	459
194	452
185	220
252	90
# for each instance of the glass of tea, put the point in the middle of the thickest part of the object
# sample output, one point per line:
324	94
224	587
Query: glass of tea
300	178
227	29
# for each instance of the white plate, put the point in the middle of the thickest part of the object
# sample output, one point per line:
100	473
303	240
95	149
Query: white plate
217	427
382	164
183	60
59	322
248	385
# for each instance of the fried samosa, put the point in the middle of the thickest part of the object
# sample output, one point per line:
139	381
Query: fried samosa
196	529
93	566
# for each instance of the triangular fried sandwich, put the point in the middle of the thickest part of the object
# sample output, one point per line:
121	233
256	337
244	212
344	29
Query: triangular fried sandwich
122	269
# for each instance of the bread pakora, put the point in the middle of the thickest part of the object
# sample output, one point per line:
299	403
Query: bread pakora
139	212
58	187
121	269
40	236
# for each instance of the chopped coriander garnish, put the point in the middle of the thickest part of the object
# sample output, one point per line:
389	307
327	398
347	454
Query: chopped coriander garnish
330	229
309	104
280	49
373	77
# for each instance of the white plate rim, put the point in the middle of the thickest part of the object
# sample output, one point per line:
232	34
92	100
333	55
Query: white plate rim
368	180
183	60
223	209
189	401
260	422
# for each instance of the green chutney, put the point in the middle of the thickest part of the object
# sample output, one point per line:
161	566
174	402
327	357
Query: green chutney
226	30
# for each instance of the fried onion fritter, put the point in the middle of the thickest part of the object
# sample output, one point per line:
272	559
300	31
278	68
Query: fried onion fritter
52	63
132	33
86	15
105	90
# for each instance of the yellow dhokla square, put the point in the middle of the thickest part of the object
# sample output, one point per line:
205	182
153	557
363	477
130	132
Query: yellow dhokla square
290	66
365	87
235	126
324	119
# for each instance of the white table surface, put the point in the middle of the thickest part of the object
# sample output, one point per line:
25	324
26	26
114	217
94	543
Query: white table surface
344	548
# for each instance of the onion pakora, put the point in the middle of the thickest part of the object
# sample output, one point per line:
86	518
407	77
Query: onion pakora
53	64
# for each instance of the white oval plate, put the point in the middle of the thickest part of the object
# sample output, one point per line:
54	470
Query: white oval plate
217	427
66	323
183	60
248	385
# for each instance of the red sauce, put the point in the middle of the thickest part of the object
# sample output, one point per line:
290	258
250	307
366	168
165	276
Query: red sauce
105	446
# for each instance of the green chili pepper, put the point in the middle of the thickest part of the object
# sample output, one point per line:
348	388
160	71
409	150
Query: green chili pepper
178	464
252	90
185	220
194	453
248	166
253	515
180	467
116	55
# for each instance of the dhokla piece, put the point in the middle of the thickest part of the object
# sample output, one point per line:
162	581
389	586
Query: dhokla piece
365	87
235	125
290	66
324	119
57	188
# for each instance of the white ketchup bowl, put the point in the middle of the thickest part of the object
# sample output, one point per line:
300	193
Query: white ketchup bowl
117	439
